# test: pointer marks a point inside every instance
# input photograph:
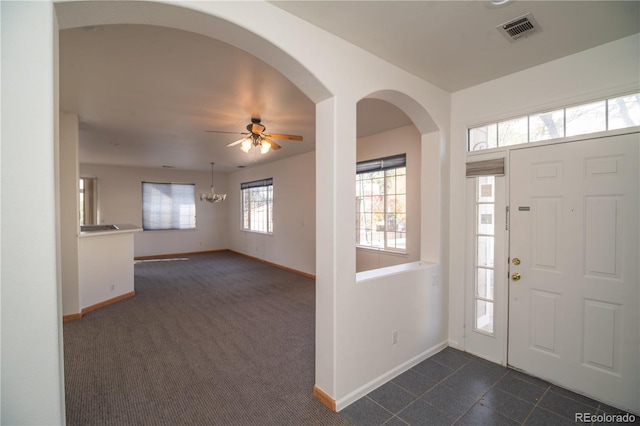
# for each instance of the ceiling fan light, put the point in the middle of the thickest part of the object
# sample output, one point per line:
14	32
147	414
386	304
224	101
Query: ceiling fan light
265	147
246	145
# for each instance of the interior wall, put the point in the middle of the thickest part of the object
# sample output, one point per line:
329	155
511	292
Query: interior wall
31	377
607	70
397	141
120	201
69	213
293	241
432	179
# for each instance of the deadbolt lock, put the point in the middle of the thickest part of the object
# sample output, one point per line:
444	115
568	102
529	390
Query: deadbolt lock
515	276
516	261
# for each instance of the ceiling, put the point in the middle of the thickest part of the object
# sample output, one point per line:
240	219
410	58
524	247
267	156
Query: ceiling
147	95
454	44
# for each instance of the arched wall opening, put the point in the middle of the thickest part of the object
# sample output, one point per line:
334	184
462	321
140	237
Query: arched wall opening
391	233
212	19
85	15
82	14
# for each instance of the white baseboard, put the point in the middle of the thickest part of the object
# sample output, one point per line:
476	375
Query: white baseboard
384	378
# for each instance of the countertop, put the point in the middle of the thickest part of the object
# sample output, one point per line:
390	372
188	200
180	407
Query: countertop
108	229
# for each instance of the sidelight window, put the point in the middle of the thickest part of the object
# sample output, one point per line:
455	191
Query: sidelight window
485	205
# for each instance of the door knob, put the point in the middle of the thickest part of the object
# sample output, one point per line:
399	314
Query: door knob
515	276
516	261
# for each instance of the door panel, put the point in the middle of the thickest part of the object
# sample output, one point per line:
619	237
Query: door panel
573	312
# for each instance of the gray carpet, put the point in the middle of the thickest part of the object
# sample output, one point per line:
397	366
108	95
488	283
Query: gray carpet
217	339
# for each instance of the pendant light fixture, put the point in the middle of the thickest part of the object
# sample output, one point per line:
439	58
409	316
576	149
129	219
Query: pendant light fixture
212	197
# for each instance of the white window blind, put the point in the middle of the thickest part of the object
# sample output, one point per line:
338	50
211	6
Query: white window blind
168	206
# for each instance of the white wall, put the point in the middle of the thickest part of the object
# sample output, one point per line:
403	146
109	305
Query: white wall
607	70
403	299
106	267
120	201
69	221
32	387
293	242
397	141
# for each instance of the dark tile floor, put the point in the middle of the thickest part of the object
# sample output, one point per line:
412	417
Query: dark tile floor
455	388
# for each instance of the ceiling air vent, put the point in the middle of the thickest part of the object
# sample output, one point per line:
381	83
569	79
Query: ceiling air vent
520	27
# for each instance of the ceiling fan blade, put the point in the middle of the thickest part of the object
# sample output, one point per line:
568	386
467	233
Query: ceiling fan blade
236	142
273	144
281	136
230	133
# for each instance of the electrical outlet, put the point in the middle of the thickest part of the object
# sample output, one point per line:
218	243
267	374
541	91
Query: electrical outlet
394	337
435	280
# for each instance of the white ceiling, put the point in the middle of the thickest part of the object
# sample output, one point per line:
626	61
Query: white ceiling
146	95
454	44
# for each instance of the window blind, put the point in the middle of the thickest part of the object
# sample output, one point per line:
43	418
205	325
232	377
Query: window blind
256	183
168	206
494	167
385	163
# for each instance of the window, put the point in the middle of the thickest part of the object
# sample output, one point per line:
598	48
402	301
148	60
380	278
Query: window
485	204
168	206
381	203
88	197
257	206
609	114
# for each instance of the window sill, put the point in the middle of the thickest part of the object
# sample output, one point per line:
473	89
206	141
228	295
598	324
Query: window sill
169	230
383	251
388	271
256	232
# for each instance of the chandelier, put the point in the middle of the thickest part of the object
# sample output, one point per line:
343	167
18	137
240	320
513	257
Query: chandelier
212	197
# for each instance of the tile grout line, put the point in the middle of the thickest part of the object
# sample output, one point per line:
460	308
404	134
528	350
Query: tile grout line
548	390
482	397
384	408
441	382
438	382
537	403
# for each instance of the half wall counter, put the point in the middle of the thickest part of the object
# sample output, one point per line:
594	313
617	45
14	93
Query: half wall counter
105	266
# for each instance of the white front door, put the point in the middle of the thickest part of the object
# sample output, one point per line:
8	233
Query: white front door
574	266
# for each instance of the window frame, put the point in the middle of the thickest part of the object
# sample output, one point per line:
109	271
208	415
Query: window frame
494	139
247	213
383	165
175	212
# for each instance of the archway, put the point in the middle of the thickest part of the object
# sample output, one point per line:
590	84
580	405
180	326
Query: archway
386	129
78	15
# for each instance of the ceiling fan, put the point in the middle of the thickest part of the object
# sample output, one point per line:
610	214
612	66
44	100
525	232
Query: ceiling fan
256	137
